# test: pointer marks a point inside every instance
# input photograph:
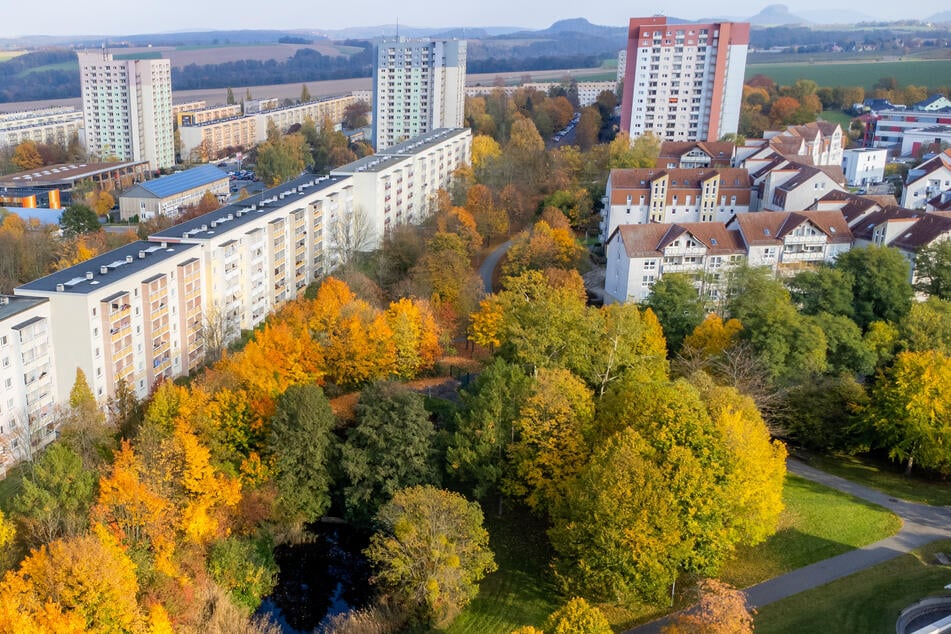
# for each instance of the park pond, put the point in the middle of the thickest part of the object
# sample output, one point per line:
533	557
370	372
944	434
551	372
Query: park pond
318	579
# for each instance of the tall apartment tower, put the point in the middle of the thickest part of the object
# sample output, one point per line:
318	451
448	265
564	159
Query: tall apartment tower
418	87
684	82
127	107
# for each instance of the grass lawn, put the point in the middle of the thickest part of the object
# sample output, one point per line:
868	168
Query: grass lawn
837	116
885	476
818	523
866	602
917	72
520	592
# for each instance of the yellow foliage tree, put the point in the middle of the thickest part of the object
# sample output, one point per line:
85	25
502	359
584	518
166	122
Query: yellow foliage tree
415	337
484	148
713	336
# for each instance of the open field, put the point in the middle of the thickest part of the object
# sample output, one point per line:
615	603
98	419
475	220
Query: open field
867	602
181	56
5	55
885	476
930	73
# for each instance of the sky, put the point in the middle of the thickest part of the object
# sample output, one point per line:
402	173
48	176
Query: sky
120	17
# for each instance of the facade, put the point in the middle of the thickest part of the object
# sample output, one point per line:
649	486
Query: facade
207	141
397	185
683	82
127	108
784	185
46	125
642	195
927	182
621	65
27	378
204	114
418	87
588	91
639	255
317	111
54	183
922	140
816	143
694	154
864	166
166	196
903	229
133	314
892	124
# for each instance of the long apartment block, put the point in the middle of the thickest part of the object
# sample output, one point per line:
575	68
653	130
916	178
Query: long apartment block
27	378
141	313
44	125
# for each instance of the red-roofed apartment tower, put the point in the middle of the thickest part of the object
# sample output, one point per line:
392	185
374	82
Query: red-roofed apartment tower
684	82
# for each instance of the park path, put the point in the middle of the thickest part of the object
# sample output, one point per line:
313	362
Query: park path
921	524
487	268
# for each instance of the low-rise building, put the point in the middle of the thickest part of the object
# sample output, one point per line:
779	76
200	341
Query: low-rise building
45	125
864	166
927	181
166	196
641	195
922	140
695	154
790	241
907	230
27	378
55	183
784	185
209	140
891	124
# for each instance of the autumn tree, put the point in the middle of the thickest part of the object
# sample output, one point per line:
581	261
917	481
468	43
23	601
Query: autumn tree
355	115
26	156
720	609
389	448
928	326
586	133
678	307
282	158
542	248
551	438
209	202
933	270
301	442
430	552
54	498
909	409
577	617
625	339
484	149
415	337
100	201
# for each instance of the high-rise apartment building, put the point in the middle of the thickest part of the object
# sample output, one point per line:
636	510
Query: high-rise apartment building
684	82
127	107
418	87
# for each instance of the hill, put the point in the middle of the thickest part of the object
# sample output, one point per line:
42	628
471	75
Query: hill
776	14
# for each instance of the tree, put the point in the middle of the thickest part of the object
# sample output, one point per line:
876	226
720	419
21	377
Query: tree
415	336
909	409
543	248
208	202
355	115
625	340
301	441
55	497
551	436
305	94
586	134
484	149
846	349
824	290
79	219
391	447
721	609
282	158
100	201
822	414
577	617
26	156
678	307
245	568
928	326
933	270
430	552
84	426
882	290
230	100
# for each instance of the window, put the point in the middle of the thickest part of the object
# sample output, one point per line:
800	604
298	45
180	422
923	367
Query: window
3	340
647	281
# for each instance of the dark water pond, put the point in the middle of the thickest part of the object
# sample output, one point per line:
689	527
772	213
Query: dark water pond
318	580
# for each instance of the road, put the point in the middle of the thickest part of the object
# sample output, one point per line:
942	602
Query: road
921	524
487	268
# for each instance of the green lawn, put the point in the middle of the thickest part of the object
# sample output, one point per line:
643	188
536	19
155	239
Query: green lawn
818	523
930	73
837	116
867	602
887	477
520	592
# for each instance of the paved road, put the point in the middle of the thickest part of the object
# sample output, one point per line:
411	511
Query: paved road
922	524
487	268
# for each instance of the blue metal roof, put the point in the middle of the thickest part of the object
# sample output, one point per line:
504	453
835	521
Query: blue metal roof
183	181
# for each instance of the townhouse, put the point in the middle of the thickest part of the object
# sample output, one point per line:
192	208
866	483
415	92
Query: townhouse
928	182
695	154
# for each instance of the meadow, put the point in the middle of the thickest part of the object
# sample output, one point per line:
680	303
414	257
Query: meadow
916	72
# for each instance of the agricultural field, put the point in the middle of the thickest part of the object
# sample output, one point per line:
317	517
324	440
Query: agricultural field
917	72
181	56
5	55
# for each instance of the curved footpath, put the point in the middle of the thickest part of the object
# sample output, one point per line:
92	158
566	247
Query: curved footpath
921	524
487	268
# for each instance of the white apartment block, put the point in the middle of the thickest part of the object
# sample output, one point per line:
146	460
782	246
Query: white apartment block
133	314
46	125
927	182
397	185
317	111
208	140
588	91
643	195
683	82
127	108
864	166
27	378
783	185
621	65
205	113
639	255
418	86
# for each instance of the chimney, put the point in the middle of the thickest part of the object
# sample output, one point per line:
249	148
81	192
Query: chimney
103	270
60	288
164	245
88	275
141	255
128	259
4	300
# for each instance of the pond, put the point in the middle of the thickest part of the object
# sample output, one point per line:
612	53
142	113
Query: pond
319	579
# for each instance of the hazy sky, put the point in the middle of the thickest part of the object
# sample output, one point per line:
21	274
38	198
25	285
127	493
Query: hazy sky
112	17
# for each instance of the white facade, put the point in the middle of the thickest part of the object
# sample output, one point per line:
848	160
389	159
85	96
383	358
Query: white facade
418	86
127	108
927	181
46	125
621	65
924	139
683	82
793	186
864	166
27	378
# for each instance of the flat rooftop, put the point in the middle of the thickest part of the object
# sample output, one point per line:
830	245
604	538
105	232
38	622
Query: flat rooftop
63	174
117	264
423	142
176	183
247	210
372	163
11	305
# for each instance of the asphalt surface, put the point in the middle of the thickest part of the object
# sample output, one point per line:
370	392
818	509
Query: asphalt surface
921	524
487	268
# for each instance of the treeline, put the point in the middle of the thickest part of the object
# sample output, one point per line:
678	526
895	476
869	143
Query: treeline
544	62
805	37
306	65
18	84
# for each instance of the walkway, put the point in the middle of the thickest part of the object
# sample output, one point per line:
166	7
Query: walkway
922	524
487	268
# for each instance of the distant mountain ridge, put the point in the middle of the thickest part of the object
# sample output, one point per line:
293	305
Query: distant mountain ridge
776	15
